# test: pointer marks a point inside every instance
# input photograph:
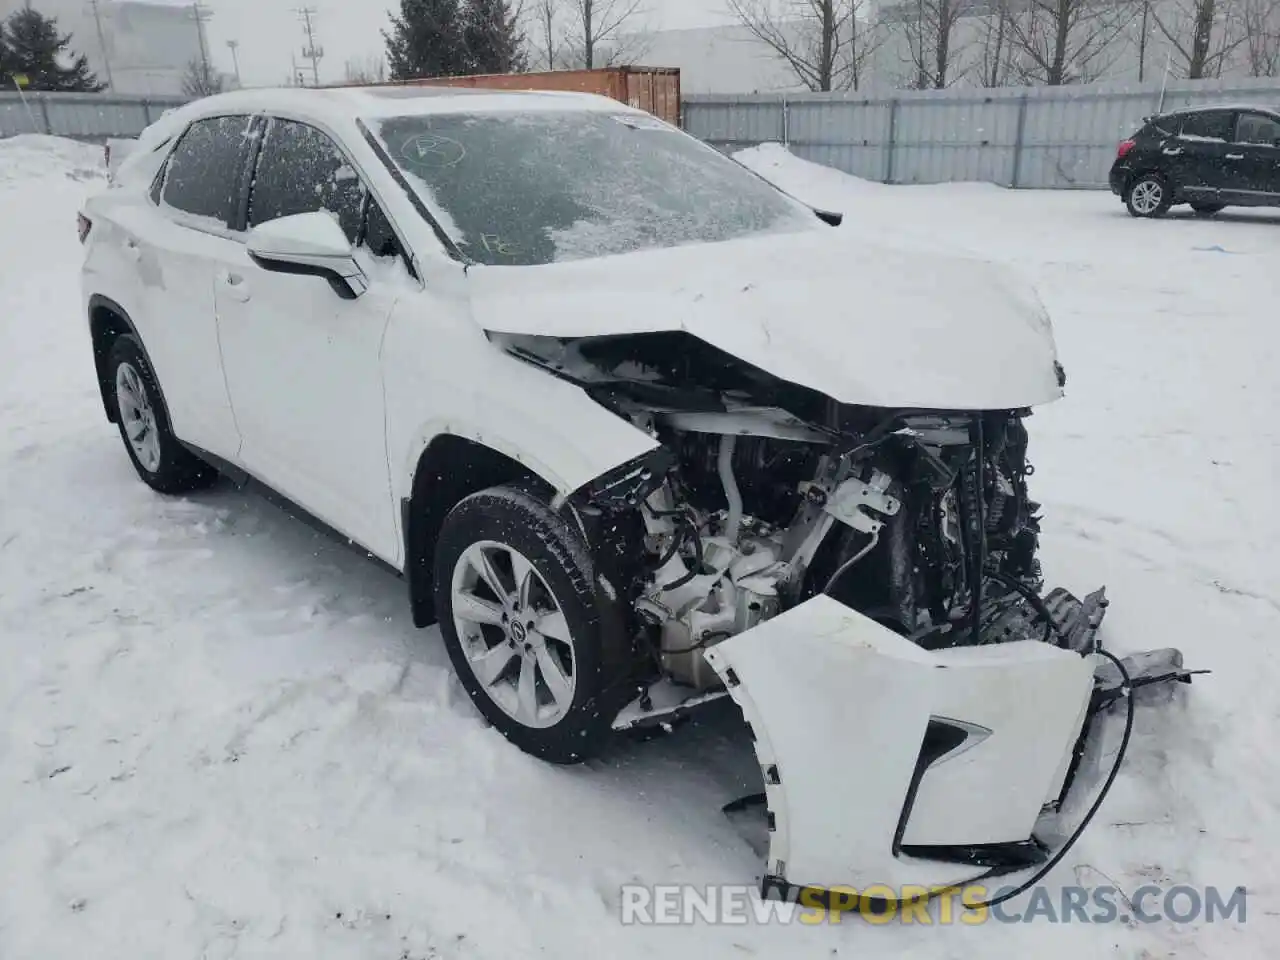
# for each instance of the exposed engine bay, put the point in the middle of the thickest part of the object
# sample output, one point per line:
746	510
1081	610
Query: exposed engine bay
768	493
846	572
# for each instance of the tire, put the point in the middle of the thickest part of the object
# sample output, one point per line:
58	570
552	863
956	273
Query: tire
538	677
1208	209
161	461
1148	196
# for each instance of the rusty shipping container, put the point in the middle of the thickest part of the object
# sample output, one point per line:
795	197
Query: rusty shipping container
655	89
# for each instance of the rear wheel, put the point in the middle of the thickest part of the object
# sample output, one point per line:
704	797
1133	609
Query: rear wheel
1148	196
1208	209
161	461
518	611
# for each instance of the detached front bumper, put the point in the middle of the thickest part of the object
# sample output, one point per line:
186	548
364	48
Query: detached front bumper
887	764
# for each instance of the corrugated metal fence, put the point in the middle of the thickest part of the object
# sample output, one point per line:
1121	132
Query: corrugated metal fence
1040	137
1017	136
83	116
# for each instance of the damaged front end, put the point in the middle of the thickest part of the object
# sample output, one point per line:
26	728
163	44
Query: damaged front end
864	583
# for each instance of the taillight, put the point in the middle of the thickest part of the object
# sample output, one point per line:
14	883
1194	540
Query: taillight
1123	150
84	224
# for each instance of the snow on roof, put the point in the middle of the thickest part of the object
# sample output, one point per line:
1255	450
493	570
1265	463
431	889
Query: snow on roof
1202	107
389	101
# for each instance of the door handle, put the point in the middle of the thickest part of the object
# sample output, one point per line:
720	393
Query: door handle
236	287
1171	152
1235	156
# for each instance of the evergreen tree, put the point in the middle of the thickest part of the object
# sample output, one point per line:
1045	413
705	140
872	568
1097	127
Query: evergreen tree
427	40
6	76
33	48
494	40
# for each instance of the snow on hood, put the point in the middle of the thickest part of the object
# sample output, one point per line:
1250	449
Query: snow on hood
854	319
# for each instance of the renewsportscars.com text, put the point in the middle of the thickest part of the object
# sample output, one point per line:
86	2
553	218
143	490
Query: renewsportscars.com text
676	904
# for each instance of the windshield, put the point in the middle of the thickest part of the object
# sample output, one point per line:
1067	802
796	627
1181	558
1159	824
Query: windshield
534	188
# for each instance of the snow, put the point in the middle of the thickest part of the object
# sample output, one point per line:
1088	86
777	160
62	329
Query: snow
222	735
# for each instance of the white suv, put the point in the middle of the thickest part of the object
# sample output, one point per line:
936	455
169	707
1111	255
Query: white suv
640	430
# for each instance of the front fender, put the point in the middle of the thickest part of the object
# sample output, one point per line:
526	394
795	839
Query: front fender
549	425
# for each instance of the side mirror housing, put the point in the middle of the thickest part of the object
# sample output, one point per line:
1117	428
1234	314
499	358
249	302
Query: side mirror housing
311	244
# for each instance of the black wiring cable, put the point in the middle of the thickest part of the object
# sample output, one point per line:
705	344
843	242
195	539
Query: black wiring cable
1033	598
1043	871
677	541
696	569
1127	693
702	641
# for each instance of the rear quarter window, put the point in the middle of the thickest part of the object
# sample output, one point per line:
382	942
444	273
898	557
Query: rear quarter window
1214	125
202	176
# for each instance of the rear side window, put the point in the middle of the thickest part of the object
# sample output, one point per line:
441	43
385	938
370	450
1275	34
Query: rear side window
302	171
203	174
1215	125
1257	128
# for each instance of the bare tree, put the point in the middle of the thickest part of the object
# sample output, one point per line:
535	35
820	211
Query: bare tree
366	70
1260	23
995	47
547	42
930	27
1202	34
1065	41
202	80
826	43
595	31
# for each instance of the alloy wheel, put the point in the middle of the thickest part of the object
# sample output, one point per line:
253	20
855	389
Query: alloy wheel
1147	197
513	634
137	417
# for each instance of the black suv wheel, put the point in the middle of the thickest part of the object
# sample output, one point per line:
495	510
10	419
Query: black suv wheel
1148	196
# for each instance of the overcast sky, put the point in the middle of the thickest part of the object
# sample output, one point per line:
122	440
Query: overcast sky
269	30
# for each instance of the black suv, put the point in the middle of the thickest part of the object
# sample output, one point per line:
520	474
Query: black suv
1210	157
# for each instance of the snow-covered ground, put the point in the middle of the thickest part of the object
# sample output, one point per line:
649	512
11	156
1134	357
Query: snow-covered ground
221	736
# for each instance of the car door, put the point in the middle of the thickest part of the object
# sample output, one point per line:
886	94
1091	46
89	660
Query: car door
303	364
1255	154
1196	158
184	235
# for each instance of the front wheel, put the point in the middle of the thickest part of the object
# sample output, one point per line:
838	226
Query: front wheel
518	611
1148	196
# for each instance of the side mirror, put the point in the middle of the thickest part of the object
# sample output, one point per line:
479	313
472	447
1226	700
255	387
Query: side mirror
311	244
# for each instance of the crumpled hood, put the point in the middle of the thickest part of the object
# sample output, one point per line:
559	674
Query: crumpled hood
843	314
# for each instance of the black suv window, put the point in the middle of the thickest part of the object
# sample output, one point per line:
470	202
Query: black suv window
1214	125
302	171
1258	128
203	173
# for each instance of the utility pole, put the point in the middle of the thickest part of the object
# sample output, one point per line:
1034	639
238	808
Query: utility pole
234	46
201	14
312	51
102	44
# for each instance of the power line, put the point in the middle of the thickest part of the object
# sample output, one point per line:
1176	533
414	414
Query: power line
312	51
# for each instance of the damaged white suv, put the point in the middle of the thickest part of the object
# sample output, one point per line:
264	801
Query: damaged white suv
639	431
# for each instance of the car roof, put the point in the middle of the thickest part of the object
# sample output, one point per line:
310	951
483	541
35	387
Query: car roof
1211	107
399	100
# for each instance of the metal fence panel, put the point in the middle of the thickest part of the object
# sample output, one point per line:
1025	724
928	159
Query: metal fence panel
83	116
1041	137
